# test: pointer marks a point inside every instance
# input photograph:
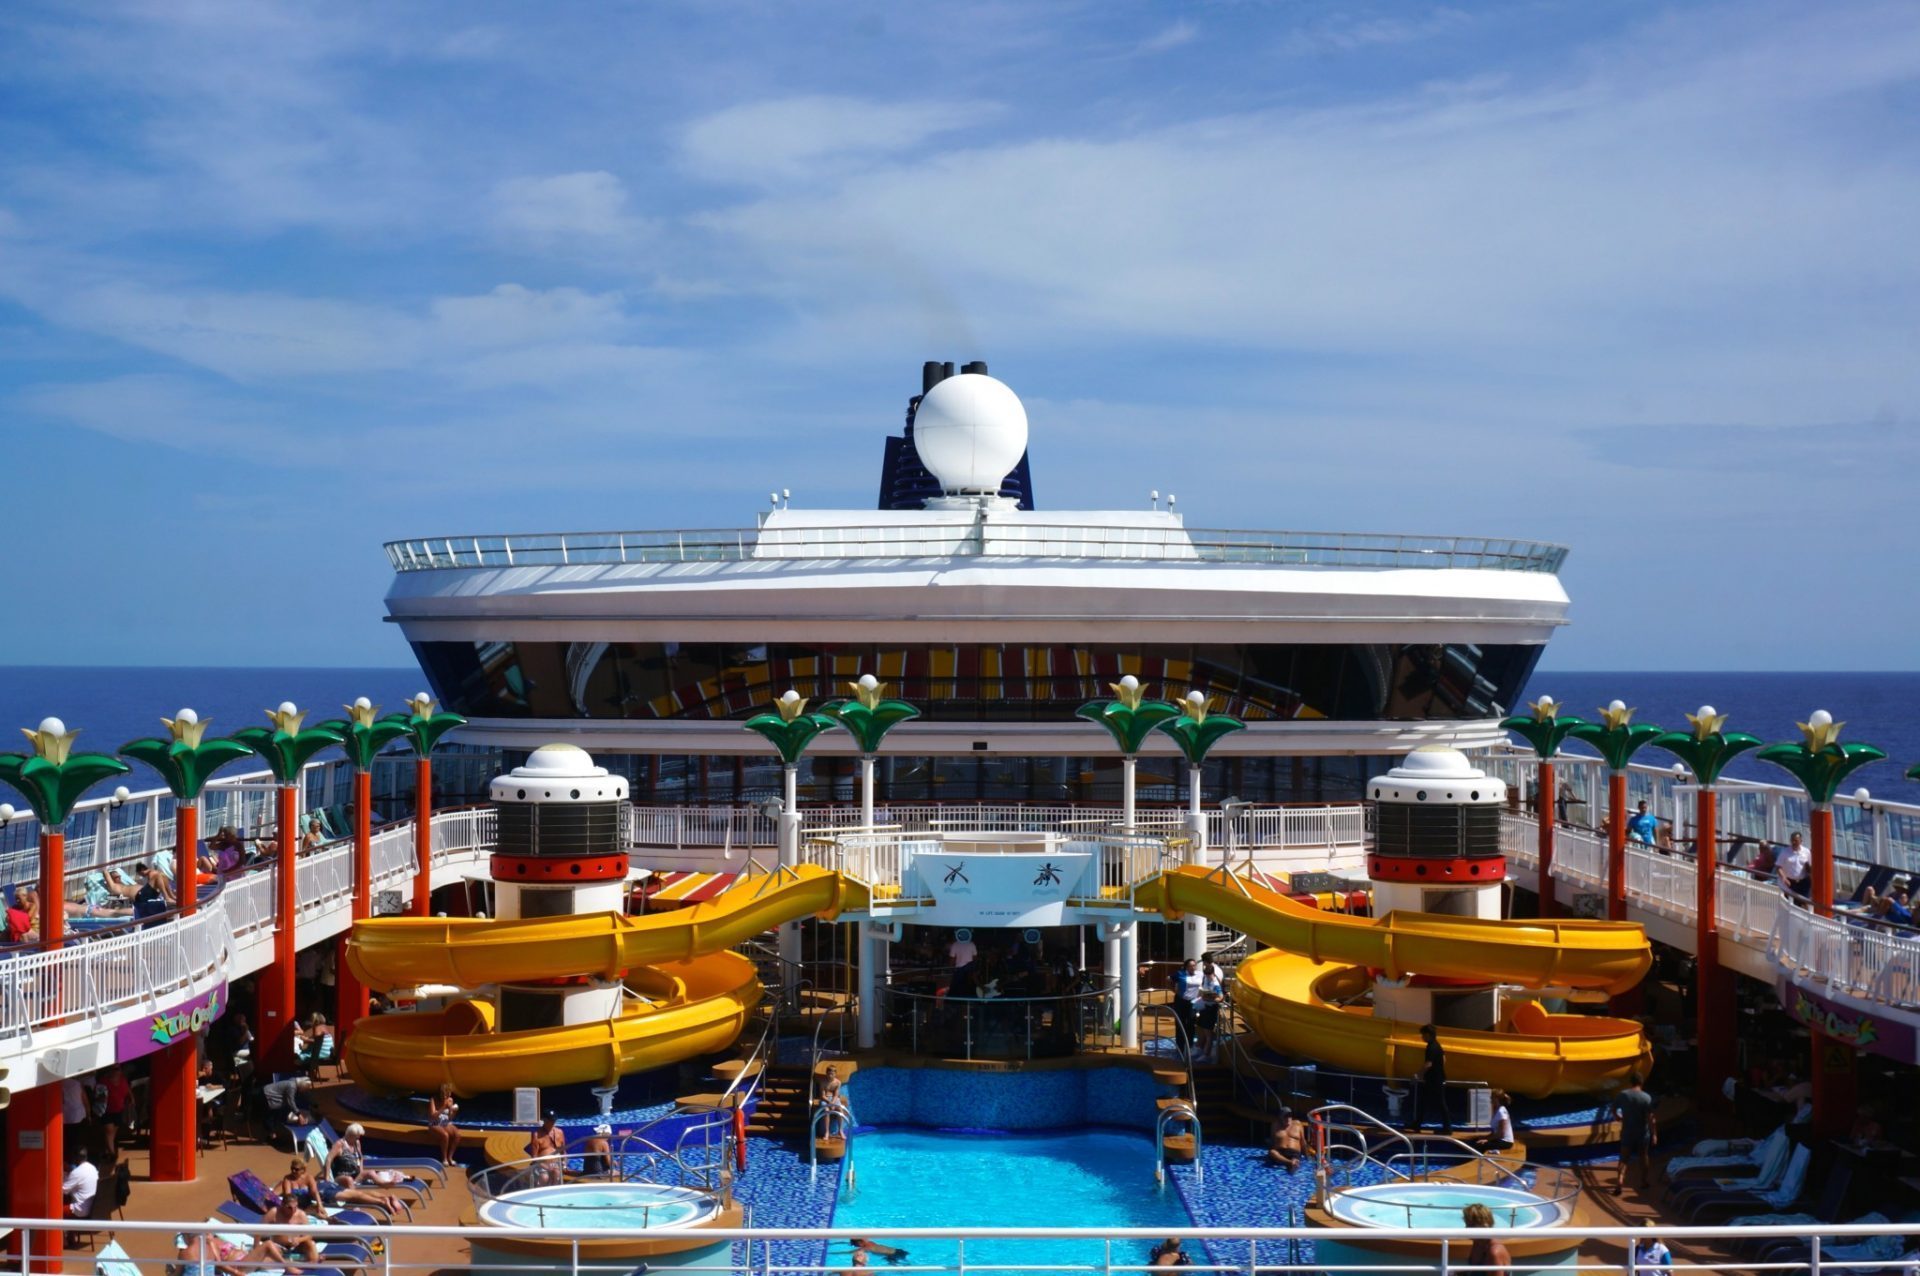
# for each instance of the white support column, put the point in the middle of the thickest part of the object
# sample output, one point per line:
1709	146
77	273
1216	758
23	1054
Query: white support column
1127	764
872	950
151	843
1130	986
1110	964
789	932
1193	938
866	792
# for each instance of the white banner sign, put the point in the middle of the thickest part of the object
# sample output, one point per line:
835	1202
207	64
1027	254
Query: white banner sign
1001	888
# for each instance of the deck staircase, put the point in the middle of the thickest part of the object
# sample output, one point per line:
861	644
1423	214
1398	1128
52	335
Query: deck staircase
781	1112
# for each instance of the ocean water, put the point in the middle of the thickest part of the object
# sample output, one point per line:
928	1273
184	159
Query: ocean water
114	705
1881	709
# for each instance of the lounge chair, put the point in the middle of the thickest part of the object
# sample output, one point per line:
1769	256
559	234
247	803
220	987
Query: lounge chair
420	1163
1765	1178
348	1250
1733	1159
113	1260
1701	1206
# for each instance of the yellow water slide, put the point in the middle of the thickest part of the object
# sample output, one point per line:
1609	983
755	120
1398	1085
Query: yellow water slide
1298	995
688	995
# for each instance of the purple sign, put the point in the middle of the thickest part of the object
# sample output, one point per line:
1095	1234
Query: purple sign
157	1032
1877	1034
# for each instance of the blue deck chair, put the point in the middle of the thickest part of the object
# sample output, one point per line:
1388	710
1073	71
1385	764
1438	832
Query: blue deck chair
112	1259
414	1161
348	1249
1766	1178
321	1138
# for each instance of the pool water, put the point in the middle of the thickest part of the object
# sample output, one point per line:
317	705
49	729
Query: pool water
1433	1205
628	1205
1089	1178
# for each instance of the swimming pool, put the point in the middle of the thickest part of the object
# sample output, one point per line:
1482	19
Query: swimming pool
629	1205
1089	1178
1439	1205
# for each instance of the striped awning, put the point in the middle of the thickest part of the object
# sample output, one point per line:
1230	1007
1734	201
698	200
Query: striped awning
685	888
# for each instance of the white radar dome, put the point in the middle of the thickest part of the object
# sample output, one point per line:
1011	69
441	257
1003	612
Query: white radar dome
970	431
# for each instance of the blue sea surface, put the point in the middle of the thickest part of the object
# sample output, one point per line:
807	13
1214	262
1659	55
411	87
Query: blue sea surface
114	705
1881	709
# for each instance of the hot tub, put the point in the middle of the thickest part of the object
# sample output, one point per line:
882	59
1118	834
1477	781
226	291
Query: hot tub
1439	1204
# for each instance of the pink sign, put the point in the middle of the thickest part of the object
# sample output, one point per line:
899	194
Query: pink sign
1877	1034
157	1032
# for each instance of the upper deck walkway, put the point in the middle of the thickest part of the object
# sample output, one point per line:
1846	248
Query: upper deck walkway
997	539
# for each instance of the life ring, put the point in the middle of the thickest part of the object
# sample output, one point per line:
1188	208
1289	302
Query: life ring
740	1137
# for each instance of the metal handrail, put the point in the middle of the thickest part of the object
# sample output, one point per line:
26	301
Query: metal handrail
1178	1110
970	540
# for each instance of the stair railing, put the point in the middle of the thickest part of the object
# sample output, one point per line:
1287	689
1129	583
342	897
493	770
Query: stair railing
1178	1110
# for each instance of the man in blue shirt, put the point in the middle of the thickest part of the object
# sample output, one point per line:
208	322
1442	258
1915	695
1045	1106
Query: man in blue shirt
1642	827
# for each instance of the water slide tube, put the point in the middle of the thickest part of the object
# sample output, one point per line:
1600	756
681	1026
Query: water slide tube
689	996
1295	994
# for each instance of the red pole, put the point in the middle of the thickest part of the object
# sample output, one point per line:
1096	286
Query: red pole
422	836
277	1000
1714	994
186	856
1617	846
1820	873
53	889
351	993
35	1144
1549	906
1836	1088
175	1073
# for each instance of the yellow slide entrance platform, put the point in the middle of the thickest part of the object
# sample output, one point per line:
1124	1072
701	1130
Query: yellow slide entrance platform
1292	995
691	996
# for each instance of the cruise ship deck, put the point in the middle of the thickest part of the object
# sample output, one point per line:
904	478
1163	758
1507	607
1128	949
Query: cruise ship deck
957	886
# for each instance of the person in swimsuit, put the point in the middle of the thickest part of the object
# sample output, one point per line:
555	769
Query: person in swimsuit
596	1152
1485	1253
441	1109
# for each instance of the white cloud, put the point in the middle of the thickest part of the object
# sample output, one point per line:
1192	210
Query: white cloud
579	211
818	137
1169	37
175	412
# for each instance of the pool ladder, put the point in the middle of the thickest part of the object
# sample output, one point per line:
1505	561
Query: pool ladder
1176	1111
823	1117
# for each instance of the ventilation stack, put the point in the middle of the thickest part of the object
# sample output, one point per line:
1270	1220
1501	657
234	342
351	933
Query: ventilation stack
558	853
1437	850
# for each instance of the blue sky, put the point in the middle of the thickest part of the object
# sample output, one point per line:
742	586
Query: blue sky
280	282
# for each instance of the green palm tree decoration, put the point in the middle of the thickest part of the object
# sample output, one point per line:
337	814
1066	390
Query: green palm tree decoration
1705	749
185	759
1820	762
790	728
1544	728
53	777
1198	729
422	727
424	730
868	717
287	747
1196	732
1617	736
1129	718
363	736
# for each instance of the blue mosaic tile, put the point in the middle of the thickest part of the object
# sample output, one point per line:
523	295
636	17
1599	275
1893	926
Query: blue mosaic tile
780	1189
943	1099
1234	1186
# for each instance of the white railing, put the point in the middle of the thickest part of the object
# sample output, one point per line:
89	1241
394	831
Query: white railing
1746	907
886	859
92	980
1314	826
1579	856
1664	883
1874	831
1847	956
993	539
1108	1251
1520	840
87	982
